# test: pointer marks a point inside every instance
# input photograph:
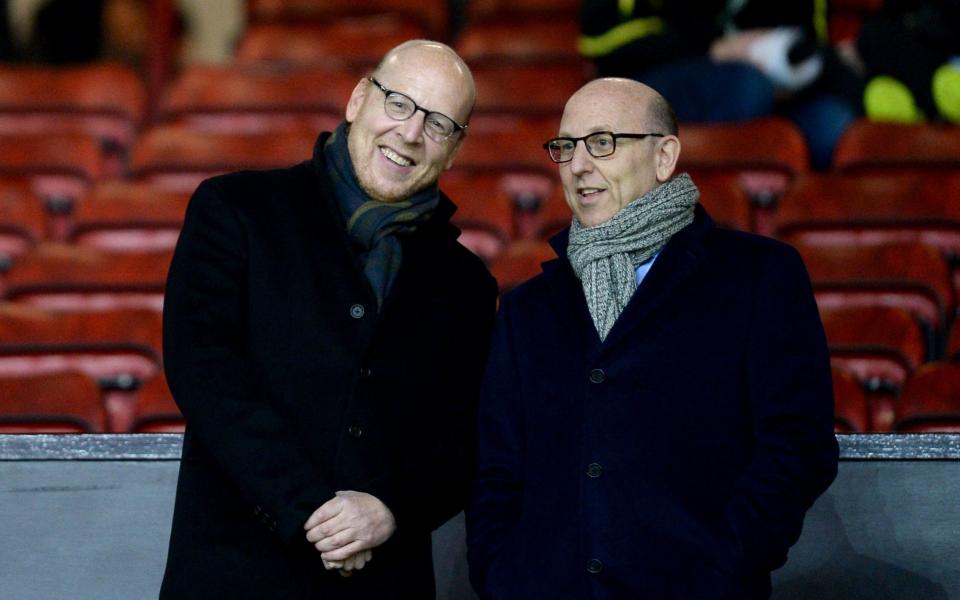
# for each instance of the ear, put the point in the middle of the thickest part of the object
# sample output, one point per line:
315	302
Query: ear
356	99
668	151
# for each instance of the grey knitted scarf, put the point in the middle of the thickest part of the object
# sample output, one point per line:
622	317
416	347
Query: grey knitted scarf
605	257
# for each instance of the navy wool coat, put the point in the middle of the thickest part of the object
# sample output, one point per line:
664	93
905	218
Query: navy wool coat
674	460
294	386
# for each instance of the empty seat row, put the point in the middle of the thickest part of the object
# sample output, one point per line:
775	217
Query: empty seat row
930	402
71	402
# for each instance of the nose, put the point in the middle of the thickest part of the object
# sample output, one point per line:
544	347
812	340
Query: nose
411	130
581	162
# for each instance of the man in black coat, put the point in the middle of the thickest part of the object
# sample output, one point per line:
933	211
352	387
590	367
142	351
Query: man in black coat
324	336
657	413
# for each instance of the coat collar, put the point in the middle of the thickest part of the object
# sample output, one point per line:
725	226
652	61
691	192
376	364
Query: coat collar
418	247
677	262
439	223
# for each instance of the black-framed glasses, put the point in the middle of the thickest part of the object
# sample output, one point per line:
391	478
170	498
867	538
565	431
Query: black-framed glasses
400	107
599	144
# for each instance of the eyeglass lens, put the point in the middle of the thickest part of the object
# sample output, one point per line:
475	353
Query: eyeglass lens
400	107
598	145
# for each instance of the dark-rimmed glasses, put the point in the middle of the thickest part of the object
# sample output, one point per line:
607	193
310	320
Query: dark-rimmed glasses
599	144
400	107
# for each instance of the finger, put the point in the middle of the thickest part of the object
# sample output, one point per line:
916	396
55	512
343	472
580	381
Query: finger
327	510
326	529
354	563
361	560
333	542
332	564
368	555
345	573
343	552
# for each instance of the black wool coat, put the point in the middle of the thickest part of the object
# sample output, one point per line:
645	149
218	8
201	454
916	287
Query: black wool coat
294	386
676	459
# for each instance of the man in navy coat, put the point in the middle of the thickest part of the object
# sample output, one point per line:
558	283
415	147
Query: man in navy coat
324	336
657	414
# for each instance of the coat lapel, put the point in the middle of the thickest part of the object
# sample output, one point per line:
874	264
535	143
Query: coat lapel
678	261
568	300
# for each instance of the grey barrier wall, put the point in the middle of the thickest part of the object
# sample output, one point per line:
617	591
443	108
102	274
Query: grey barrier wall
88	516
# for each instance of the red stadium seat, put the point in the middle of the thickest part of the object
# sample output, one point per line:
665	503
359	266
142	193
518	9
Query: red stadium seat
484	211
524	39
909	275
59	403
827	209
765	154
528	88
103	101
433	15
931	400
356	43
177	157
725	200
851	410
259	99
520	262
486	9
156	412
122	216
508	143
65	277
870	146
117	348
58	165
22	220
953	341
880	346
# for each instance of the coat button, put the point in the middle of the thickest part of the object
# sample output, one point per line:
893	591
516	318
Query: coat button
597	376
357	311
594	470
355	431
594	566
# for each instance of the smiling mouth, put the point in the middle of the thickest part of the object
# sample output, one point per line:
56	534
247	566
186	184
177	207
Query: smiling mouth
395	158
586	192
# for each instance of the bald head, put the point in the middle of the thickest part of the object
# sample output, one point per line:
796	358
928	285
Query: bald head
643	108
436	58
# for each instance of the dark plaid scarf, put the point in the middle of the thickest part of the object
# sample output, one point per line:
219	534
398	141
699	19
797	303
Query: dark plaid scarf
373	225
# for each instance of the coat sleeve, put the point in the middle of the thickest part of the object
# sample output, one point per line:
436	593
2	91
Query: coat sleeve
791	403
212	378
430	491
495	502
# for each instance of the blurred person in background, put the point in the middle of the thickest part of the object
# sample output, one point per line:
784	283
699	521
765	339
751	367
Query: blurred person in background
910	53
78	31
730	60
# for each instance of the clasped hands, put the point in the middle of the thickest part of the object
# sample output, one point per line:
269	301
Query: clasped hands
347	528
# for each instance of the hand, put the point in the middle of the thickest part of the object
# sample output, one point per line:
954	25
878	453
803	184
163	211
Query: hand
351	564
735	47
347	525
